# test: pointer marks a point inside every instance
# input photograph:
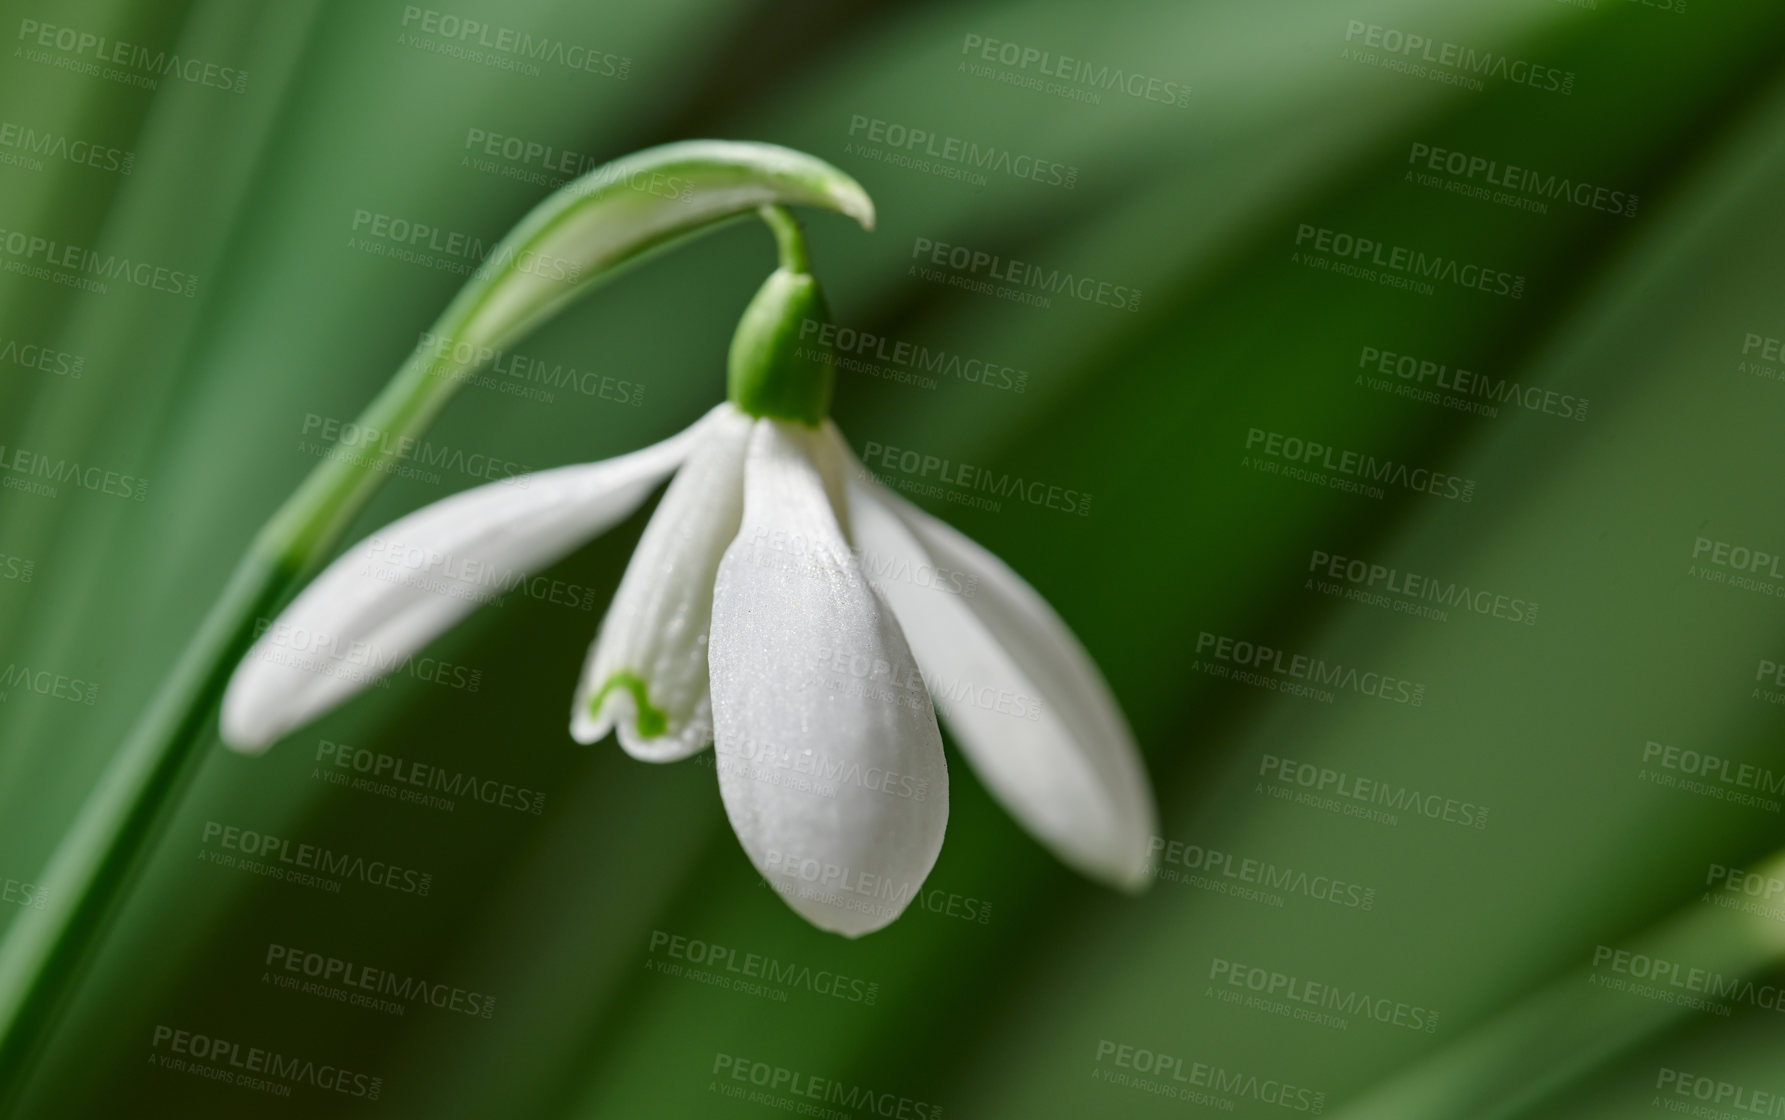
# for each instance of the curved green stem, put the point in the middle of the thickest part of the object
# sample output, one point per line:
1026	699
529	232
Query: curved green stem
578	237
614	216
788	241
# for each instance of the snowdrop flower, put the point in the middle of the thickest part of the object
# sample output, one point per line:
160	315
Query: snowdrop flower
746	619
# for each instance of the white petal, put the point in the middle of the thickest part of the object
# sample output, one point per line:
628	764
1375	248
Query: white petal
390	594
1024	700
830	763
654	638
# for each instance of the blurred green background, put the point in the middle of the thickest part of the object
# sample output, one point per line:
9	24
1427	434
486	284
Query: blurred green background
1014	989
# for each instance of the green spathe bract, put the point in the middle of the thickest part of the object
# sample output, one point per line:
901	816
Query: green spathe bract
587	230
780	362
772	370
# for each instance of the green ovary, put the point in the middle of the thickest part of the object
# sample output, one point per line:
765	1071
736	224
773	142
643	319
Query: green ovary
651	721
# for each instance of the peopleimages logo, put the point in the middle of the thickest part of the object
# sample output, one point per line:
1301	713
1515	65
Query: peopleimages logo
1354	471
1772	349
504	48
1676	982
43	682
547	165
377	989
469	578
1433	382
350	440
44	258
399	238
519	374
1407	592
1293	990
1737	881
792	1089
950	156
1397	266
809	771
968	480
1756	568
16	568
1241	876
1297	674
1421	52
814	879
1512	185
1074	78
1354	795
307	864
1022	280
896	360
1711	775
15	892
1711	1092
418	782
253	1067
757	967
29	355
1202	1083
27	142
34	471
39	38
332	655
1769	672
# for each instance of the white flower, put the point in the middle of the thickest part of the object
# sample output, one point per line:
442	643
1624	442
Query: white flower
746	619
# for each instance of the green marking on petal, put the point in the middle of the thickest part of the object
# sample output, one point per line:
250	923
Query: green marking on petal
651	721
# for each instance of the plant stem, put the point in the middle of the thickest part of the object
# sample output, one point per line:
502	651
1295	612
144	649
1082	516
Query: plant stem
1554	1037
788	241
117	826
582	234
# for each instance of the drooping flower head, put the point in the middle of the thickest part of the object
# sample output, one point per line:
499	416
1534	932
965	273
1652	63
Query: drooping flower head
747	621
